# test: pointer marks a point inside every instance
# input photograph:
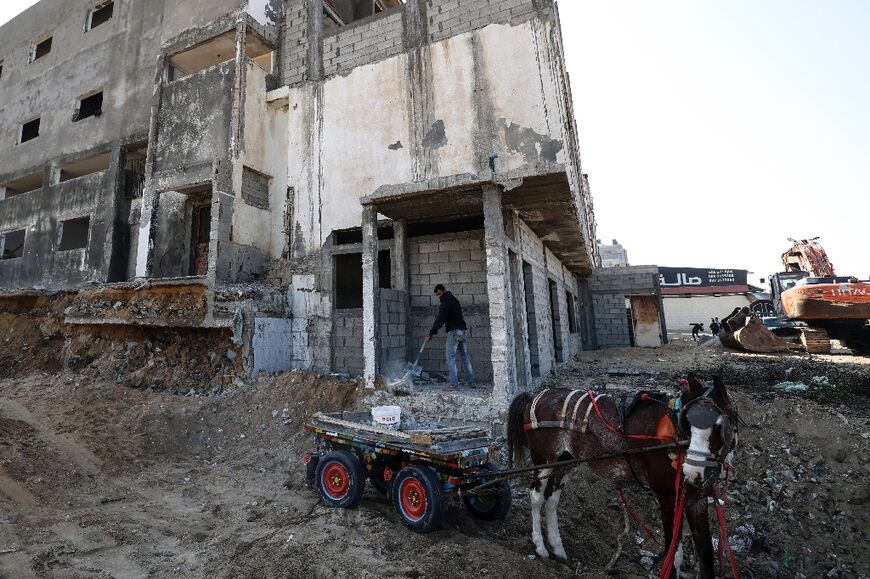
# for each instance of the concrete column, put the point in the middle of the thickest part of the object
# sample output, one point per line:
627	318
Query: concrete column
371	297
498	290
400	254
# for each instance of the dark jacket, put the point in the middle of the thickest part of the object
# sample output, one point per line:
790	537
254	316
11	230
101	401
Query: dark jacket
449	314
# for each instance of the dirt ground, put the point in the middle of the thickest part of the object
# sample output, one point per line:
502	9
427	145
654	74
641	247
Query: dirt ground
106	478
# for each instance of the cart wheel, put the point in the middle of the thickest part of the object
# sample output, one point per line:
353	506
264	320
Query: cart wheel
376	477
493	503
340	479
419	498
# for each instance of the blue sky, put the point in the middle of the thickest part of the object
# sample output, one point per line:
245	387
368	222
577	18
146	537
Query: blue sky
712	131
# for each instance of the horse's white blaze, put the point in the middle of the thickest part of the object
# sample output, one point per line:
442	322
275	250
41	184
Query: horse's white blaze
699	442
553	525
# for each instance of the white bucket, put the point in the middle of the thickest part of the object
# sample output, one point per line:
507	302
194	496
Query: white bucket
387	416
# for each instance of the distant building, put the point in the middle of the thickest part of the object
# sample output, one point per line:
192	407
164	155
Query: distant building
694	295
613	255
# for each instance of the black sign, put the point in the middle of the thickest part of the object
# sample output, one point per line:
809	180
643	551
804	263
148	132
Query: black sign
688	278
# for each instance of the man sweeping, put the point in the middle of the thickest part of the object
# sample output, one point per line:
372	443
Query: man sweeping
450	315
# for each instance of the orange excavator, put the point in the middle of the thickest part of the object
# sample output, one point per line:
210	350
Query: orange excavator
813	306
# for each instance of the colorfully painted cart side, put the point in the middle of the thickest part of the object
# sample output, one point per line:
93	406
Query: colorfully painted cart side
419	470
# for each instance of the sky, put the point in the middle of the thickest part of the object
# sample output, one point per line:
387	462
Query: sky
713	131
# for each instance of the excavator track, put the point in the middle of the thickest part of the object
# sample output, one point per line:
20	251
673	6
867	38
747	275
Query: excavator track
815	341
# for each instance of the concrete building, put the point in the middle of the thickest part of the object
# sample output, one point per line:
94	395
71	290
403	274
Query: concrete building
694	295
301	173
613	255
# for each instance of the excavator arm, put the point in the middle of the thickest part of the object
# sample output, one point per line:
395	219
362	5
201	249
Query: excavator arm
809	256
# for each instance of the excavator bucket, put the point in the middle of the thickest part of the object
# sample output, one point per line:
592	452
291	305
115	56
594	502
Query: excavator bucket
743	331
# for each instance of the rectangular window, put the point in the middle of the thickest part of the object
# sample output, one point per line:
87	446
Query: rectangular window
89	106
349	278
12	244
29	130
99	15
40	49
74	233
1	69
572	313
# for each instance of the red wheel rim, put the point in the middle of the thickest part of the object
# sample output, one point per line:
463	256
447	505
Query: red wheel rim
335	481
413	497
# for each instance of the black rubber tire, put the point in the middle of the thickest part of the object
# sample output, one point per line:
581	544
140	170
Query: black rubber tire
376	478
492	506
311	470
418	496
340	479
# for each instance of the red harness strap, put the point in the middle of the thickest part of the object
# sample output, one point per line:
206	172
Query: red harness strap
637	520
724	544
615	430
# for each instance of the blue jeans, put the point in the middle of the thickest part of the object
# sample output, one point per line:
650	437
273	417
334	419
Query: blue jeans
456	342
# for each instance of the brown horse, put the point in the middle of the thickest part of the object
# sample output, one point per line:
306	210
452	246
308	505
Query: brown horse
560	424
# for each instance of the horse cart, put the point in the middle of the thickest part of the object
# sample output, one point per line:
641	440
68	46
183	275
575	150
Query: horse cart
419	468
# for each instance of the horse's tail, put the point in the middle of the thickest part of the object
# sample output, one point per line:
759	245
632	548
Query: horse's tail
515	432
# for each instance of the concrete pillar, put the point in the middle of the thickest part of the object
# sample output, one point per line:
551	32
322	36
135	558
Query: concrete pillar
371	297
498	290
400	254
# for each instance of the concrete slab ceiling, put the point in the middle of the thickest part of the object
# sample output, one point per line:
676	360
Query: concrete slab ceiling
547	206
220	49
86	166
543	201
23	184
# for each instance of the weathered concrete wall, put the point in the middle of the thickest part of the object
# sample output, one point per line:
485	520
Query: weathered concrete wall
117	57
433	112
194	119
609	288
40	213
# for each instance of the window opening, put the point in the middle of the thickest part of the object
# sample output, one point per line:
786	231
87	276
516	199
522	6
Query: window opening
22	185
339	13
348	281
100	15
572	313
354	235
349	278
134	170
86	166
12	244
89	106
40	49
29	130
201	233
74	233
1	69
556	320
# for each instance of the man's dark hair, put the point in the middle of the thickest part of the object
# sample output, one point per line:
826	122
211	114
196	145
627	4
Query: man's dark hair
440	288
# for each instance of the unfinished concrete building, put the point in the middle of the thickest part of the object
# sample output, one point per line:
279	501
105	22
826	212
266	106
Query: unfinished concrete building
301	173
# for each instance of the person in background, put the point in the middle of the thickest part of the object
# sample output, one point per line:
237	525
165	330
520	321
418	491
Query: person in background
696	331
450	316
714	326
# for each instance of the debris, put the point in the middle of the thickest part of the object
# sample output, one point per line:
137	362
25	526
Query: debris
791	386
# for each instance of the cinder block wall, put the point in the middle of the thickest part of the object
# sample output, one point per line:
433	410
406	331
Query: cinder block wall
448	18
393	332
364	41
347	342
609	288
458	261
294	43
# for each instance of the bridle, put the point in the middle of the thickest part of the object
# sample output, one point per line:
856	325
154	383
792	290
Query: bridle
712	461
